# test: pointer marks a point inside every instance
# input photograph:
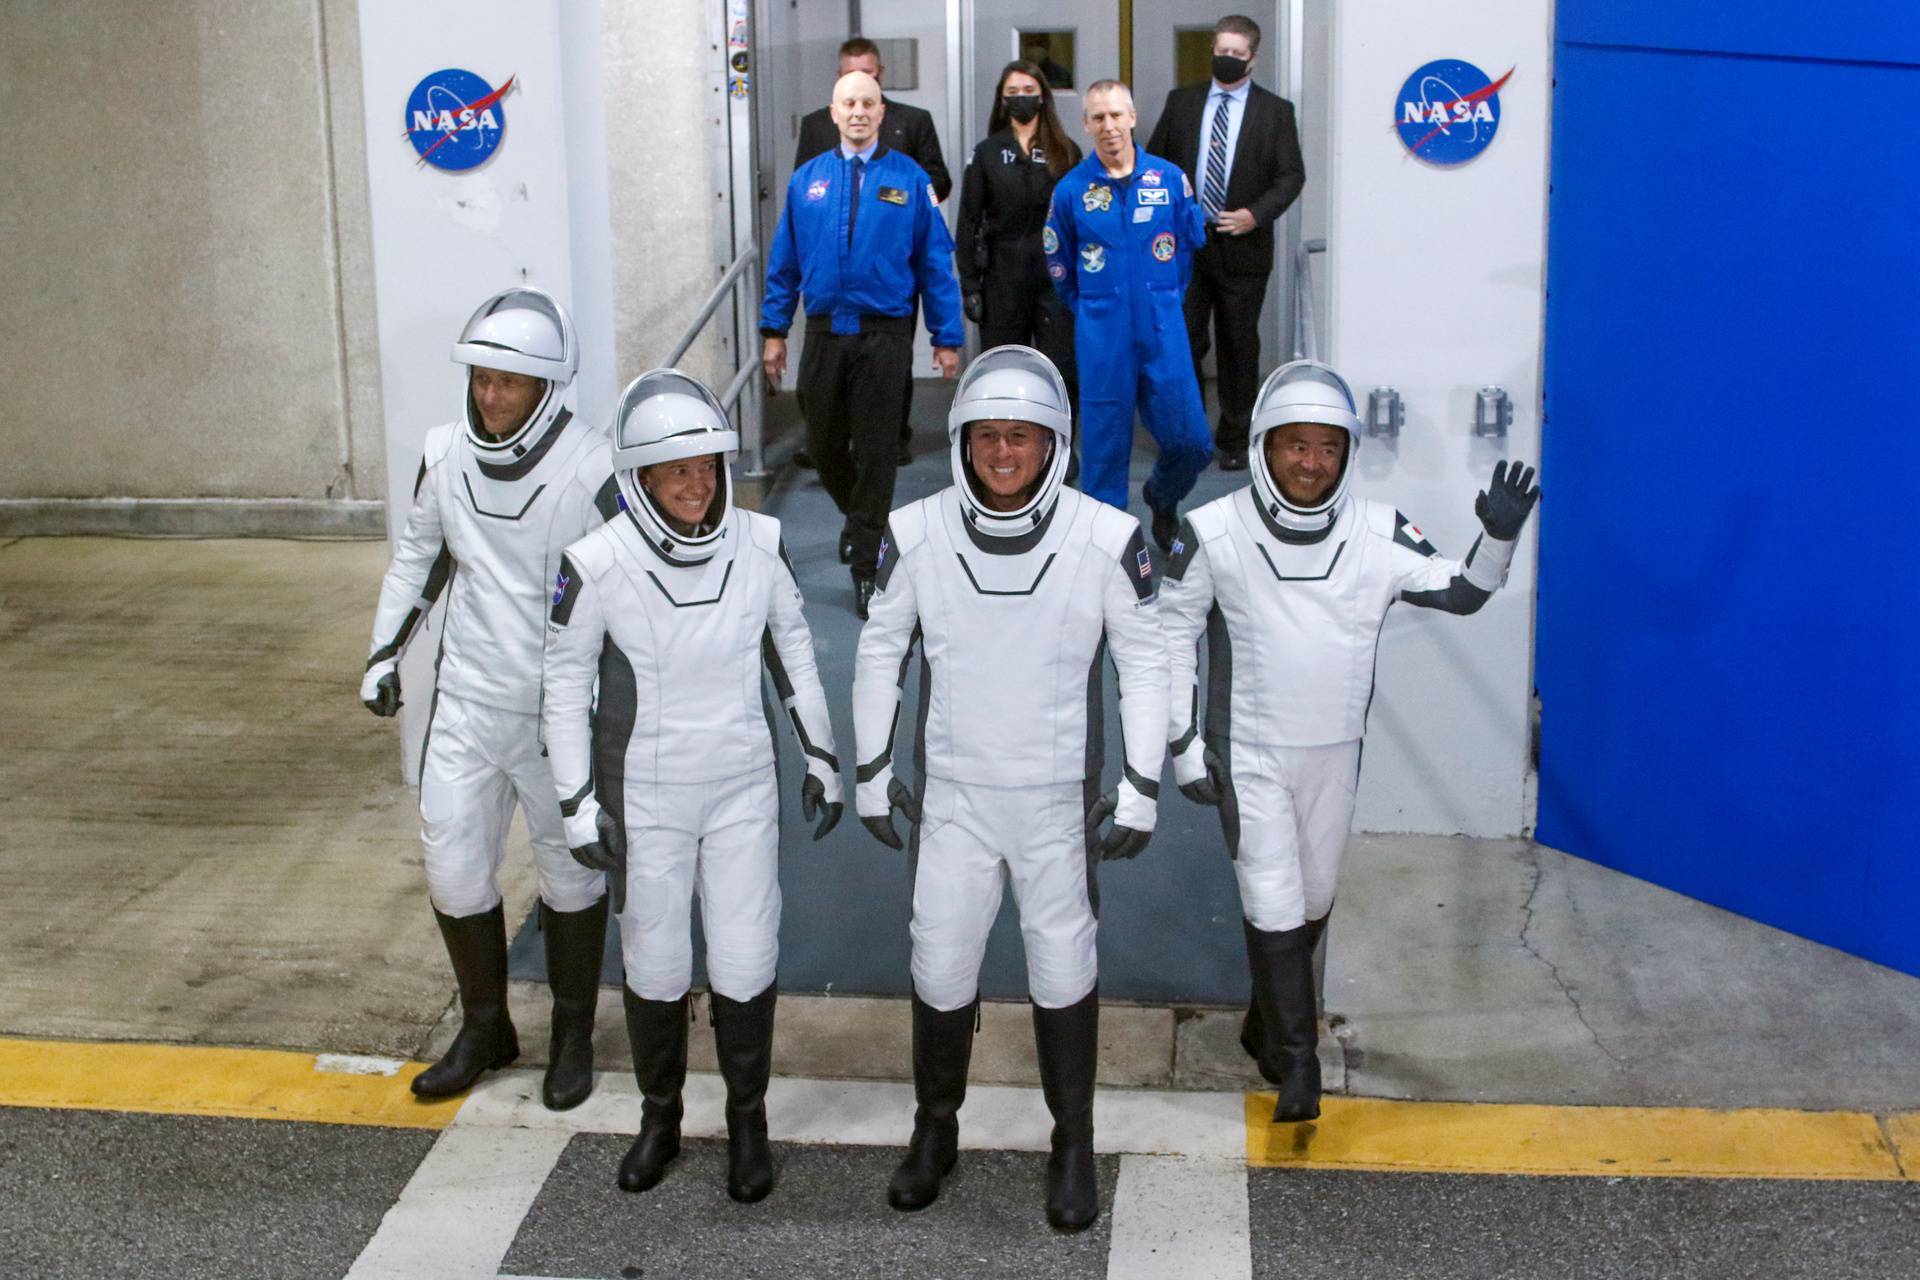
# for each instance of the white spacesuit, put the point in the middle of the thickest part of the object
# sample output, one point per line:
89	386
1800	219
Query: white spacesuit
1015	601
491	515
671	772
1290	590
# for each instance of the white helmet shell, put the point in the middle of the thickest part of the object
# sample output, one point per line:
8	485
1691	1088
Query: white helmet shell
1018	384
665	415
1303	391
520	330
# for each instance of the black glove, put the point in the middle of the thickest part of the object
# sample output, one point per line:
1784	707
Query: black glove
882	827
608	854
976	307
1507	501
1119	842
1210	789
813	803
386	698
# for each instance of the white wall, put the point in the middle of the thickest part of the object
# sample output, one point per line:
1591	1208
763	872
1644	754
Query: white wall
1435	283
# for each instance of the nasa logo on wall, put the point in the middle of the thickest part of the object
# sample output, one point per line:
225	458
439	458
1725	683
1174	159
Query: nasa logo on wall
1448	111
455	120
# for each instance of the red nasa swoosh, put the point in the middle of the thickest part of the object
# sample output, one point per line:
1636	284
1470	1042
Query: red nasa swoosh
495	96
1475	96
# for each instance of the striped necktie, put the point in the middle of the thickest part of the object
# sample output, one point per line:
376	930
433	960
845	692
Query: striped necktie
1213	192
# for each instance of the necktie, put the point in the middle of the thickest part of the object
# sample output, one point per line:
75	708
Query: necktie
1213	192
853	212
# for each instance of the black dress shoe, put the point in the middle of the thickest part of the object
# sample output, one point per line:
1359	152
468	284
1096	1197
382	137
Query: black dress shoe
862	593
1231	459
802	459
846	549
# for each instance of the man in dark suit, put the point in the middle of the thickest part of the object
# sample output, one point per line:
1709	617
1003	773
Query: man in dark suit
1241	148
906	129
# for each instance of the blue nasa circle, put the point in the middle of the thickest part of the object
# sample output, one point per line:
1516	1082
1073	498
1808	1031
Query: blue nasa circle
1444	114
446	130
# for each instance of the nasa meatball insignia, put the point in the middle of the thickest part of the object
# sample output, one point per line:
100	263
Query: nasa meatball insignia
455	120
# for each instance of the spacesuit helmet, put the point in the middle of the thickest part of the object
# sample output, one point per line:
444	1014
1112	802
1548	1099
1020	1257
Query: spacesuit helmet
521	330
1302	391
1010	383
665	415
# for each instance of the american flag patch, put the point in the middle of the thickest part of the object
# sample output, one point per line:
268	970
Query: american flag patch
1146	563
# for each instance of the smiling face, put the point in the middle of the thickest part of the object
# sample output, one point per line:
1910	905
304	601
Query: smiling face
1305	460
856	108
503	400
1109	120
683	489
1008	456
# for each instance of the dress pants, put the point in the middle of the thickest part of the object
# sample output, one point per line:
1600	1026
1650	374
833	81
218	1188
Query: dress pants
1230	304
850	391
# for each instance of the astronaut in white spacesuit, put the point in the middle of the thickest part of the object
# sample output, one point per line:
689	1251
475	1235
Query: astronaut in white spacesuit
500	494
1289	580
675	606
1016	588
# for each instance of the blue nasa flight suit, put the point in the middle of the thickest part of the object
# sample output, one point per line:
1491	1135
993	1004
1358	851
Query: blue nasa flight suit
858	271
1120	252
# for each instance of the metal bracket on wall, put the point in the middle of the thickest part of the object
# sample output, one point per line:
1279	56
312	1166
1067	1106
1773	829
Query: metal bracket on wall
1385	413
1492	412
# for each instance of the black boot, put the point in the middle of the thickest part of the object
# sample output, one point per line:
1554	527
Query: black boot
1069	1044
743	1038
942	1050
1283	1024
575	942
477	945
657	1033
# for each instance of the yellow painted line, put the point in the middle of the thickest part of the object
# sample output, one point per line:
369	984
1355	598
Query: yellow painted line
260	1084
1903	1129
1466	1137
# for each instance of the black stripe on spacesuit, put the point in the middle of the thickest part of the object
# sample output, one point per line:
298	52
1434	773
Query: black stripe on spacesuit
1458	596
531	458
1219	730
1185	544
1136	562
474	502
1400	535
607	501
571	805
871	769
436	583
787	560
1185	740
1030	589
566	591
1305	577
1144	785
1095	758
726	576
420	476
883	568
1018	544
783	688
613	718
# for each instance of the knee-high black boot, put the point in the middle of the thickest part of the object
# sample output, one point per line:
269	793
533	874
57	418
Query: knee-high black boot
477	946
575	942
657	1033
743	1039
942	1051
1283	1022
1069	1044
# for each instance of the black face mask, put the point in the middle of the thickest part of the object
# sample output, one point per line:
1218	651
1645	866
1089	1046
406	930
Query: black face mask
1024	107
1228	70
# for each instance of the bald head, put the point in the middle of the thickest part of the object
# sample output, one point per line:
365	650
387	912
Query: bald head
857	108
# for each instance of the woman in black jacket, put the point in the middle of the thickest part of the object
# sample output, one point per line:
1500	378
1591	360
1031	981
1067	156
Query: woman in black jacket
1003	211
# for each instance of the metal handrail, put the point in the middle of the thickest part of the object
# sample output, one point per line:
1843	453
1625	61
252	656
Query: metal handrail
749	404
1307	338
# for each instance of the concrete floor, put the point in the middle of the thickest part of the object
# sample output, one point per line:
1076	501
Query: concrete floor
202	839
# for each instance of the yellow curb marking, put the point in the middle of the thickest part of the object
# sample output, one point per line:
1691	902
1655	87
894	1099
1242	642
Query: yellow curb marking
1904	1129
260	1084
1466	1137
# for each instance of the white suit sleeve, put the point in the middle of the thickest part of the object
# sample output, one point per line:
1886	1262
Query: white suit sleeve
879	672
575	632
1430	580
1139	652
1186	598
787	649
416	576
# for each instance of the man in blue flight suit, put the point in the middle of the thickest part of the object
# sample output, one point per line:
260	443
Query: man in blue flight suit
860	236
1120	241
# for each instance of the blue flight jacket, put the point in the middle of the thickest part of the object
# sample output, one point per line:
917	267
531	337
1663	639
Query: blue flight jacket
900	246
1105	234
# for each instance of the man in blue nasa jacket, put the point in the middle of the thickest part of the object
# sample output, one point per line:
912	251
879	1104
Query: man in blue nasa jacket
1120	242
860	236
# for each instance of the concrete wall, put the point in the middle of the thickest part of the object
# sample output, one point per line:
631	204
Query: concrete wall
185	246
1435	281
